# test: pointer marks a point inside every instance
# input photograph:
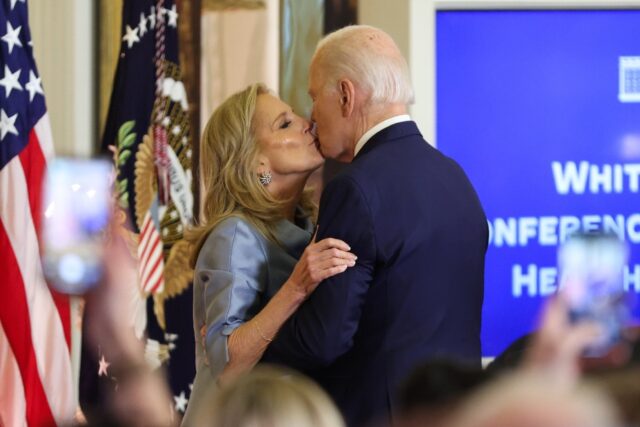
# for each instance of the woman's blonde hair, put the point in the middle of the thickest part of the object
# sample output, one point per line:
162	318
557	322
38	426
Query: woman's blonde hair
228	162
269	397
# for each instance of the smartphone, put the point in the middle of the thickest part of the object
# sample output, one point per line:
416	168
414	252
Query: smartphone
77	209
591	269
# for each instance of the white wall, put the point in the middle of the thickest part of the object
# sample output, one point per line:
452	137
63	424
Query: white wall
239	47
63	38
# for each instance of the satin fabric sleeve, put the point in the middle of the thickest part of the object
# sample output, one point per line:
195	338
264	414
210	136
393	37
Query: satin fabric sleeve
232	269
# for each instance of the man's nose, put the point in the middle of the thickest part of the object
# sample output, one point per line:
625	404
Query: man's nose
312	128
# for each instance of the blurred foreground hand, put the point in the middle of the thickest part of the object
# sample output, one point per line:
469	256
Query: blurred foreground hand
141	396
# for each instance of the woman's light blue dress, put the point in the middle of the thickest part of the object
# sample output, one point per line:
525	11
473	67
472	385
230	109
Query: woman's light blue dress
238	270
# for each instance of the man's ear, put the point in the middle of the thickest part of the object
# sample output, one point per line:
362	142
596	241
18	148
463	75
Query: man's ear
347	92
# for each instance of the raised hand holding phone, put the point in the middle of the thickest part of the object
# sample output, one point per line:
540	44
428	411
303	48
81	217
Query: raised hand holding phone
77	209
587	315
591	282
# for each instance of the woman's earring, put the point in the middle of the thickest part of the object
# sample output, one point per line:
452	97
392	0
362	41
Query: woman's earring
265	178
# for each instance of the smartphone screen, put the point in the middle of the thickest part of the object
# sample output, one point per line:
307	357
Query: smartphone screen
591	278
77	203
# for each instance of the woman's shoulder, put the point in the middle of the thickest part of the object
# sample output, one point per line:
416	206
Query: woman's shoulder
233	222
232	234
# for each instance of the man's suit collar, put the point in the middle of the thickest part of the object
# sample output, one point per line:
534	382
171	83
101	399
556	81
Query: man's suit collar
396	131
377	128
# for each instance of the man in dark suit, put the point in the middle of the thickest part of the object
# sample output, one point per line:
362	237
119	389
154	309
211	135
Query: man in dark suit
410	215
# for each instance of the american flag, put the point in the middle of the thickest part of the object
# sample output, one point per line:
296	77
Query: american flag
148	133
35	365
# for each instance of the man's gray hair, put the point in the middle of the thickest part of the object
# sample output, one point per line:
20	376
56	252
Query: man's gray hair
370	59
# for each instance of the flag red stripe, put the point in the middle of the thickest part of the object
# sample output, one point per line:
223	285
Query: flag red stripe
158	283
148	254
151	272
148	264
14	316
146	222
145	241
33	166
150	250
146	272
148	239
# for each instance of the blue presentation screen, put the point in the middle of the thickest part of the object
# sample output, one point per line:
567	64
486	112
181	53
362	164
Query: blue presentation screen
542	110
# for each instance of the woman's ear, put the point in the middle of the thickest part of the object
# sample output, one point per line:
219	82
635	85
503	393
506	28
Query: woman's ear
263	171
262	163
347	97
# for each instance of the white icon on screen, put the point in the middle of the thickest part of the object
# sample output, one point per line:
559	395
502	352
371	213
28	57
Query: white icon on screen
629	85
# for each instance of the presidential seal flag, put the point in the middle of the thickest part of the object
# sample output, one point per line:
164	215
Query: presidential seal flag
148	135
35	365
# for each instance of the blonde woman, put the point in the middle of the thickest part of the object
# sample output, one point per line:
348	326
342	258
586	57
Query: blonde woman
268	397
253	260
